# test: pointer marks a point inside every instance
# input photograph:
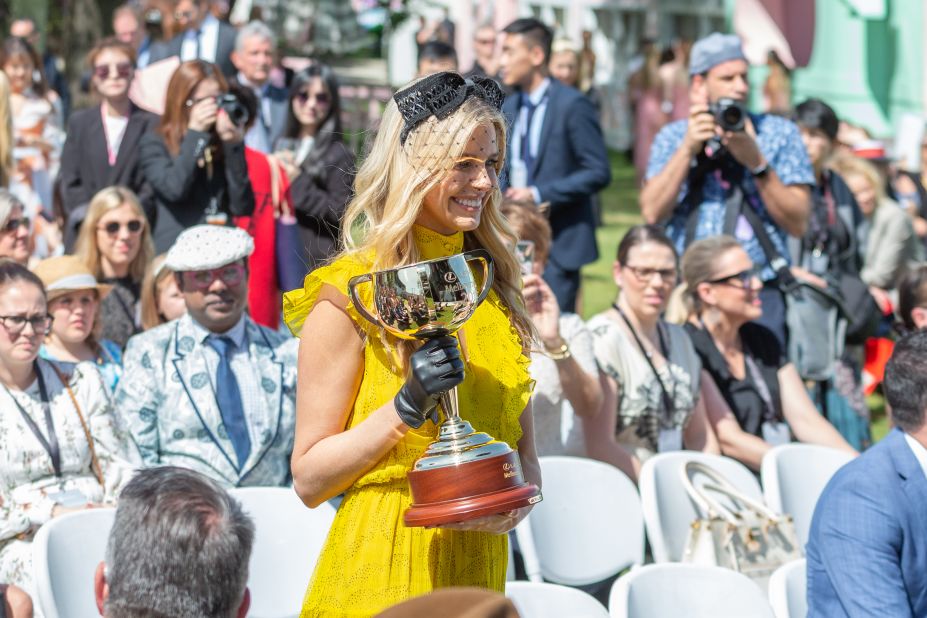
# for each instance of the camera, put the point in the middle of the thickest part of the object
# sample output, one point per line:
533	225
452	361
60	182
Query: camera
730	115
236	111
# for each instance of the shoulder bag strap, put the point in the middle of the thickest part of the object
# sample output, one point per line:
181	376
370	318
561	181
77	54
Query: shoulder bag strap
94	462
275	185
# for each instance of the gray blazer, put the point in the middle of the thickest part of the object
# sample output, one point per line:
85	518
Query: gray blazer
891	246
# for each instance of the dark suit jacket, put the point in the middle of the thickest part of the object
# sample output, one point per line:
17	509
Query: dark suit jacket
279	101
867	553
224	47
571	166
85	167
183	190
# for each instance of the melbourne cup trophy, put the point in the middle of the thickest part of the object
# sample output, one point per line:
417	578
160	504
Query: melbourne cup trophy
463	474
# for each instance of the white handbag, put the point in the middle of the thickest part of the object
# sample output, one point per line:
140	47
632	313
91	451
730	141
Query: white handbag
746	536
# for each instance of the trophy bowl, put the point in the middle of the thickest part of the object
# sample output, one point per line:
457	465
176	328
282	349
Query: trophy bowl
463	474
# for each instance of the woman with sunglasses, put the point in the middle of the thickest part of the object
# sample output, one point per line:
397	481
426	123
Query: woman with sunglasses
320	164
195	161
62	448
767	403
102	145
655	400
15	242
115	244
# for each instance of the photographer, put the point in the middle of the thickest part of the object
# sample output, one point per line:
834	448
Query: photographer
195	161
705	173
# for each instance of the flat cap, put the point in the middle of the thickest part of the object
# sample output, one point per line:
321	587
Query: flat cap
713	50
205	247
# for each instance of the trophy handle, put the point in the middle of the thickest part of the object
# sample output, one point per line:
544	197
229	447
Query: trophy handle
355	298
489	270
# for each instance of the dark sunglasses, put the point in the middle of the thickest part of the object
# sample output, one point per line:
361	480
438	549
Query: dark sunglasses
112	228
744	279
122	69
14	224
321	98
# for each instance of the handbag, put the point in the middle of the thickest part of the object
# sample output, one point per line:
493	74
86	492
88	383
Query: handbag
290	256
745	535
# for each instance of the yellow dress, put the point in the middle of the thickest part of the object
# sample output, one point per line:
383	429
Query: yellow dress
370	559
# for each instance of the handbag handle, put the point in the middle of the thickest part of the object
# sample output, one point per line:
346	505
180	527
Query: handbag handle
709	504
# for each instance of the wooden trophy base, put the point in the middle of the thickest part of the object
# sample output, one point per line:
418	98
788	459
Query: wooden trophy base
457	493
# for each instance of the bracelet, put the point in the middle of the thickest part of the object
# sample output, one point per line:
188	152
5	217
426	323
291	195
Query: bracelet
560	354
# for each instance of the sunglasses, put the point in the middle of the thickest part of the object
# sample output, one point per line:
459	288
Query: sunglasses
321	98
230	275
112	228
14	224
744	279
121	69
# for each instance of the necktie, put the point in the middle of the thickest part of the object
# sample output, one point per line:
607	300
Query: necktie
228	396
526	154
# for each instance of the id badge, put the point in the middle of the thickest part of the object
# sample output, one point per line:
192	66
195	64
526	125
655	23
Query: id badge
776	433
70	498
669	440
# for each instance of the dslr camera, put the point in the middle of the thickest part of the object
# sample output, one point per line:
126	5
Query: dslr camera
730	115
236	111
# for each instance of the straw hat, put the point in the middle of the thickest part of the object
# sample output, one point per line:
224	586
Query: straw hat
67	273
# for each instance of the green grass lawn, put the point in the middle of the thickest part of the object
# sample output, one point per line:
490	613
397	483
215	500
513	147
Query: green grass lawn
619	212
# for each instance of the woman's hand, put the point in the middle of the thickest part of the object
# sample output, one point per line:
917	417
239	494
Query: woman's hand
493	524
434	369
543	309
287	161
203	115
228	131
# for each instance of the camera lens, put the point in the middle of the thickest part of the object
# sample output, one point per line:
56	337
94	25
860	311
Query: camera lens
732	116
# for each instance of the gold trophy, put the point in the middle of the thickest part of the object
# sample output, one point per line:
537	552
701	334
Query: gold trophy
463	474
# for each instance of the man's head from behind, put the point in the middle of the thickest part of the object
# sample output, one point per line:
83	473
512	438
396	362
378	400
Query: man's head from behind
905	382
436	57
179	546
526	47
718	69
210	266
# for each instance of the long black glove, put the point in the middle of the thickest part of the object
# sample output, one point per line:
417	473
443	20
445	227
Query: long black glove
434	369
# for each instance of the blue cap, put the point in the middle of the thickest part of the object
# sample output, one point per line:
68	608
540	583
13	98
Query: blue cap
713	50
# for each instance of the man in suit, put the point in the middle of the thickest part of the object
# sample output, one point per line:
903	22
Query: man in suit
255	48
867	553
202	36
213	390
556	153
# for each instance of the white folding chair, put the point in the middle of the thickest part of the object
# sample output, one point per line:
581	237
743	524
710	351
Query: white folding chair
794	475
65	555
788	590
287	542
668	510
671	590
540	600
588	527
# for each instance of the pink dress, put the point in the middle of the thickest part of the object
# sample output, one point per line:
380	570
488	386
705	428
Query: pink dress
647	123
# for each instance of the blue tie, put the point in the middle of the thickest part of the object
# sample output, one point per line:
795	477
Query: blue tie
228	396
526	155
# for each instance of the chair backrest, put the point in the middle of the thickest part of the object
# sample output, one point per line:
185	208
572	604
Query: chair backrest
794	475
588	527
788	590
540	600
668	510
669	589
65	555
288	538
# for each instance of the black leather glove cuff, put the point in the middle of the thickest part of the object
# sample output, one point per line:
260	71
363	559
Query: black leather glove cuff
409	412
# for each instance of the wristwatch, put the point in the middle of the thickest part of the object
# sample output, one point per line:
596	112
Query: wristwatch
760	171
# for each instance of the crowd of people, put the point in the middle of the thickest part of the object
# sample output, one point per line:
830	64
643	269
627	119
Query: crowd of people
154	269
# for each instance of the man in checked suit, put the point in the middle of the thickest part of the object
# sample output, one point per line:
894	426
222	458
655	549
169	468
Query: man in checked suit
556	153
867	553
212	391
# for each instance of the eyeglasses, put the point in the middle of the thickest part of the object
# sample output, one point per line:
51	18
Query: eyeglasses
121	69
14	224
321	98
184	15
744	279
667	275
112	228
485	41
231	275
14	324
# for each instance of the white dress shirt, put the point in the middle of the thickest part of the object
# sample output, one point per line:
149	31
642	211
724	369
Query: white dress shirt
208	35
519	177
920	452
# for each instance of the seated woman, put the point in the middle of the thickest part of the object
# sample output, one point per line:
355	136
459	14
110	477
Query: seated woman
115	244
565	373
74	298
655	396
62	450
14	229
766	399
162	301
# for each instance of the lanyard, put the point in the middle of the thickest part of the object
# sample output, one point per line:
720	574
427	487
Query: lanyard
51	443
668	404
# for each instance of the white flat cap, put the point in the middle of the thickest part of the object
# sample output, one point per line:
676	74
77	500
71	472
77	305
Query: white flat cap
204	247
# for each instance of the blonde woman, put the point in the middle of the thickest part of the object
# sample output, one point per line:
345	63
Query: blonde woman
115	243
6	132
162	301
428	189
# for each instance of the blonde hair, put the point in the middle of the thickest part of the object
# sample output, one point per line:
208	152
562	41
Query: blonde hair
6	132
87	249
529	224
390	190
155	276
699	264
849	165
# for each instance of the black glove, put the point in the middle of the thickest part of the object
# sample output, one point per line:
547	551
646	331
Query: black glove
434	369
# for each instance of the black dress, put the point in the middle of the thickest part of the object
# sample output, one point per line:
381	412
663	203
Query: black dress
120	309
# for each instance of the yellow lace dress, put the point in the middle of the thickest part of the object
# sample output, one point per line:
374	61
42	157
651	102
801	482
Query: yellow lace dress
370	559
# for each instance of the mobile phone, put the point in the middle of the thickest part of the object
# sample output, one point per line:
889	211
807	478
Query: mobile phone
524	249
